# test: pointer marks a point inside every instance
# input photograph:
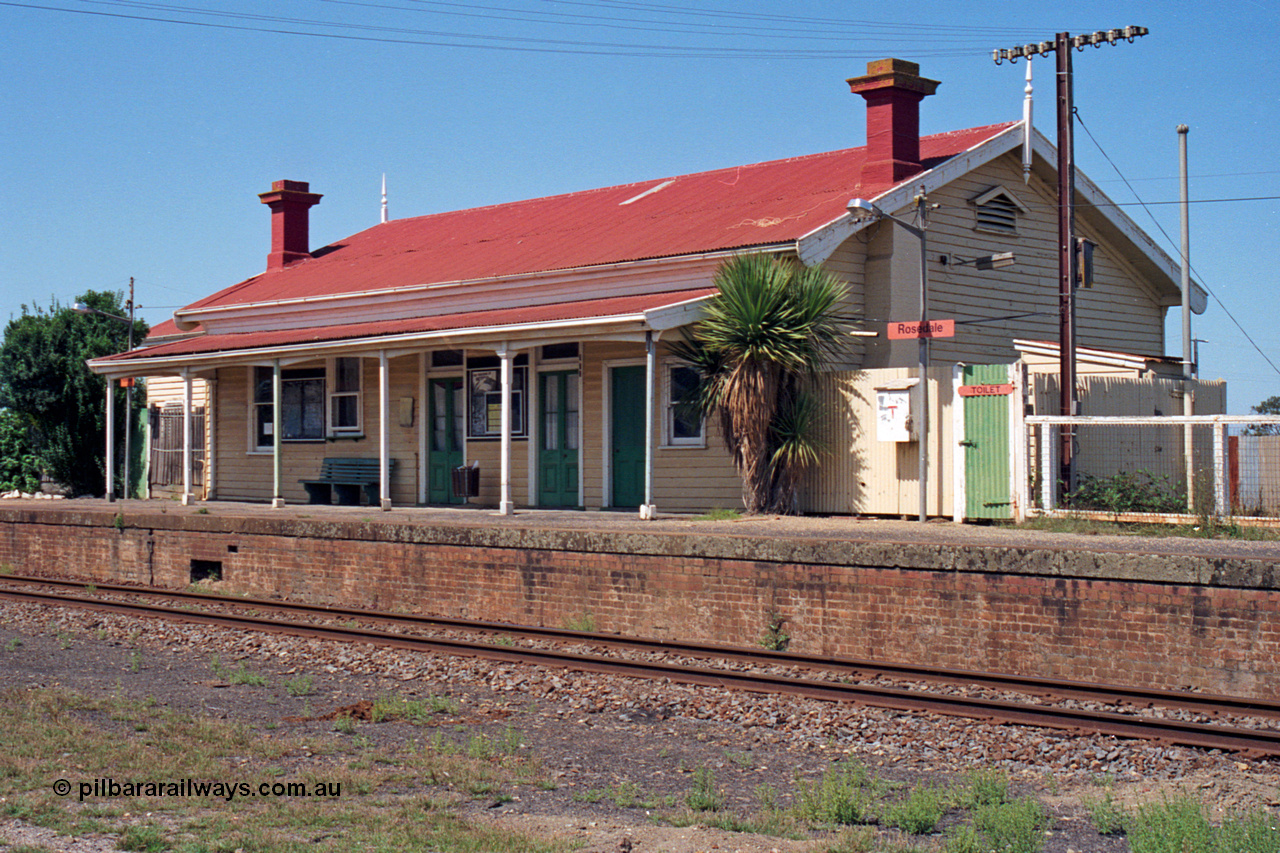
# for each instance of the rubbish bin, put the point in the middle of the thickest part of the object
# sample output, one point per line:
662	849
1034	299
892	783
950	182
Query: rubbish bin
466	481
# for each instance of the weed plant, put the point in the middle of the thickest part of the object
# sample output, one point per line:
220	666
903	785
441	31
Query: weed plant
1106	815
719	514
1128	491
984	787
582	622
704	796
302	685
1181	825
846	794
416	711
919	813
774	638
145	838
239	675
1013	827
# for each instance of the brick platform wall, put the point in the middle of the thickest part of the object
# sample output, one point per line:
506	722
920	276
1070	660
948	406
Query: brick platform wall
1215	638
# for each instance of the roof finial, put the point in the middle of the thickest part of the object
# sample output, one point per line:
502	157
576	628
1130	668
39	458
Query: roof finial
384	196
1026	128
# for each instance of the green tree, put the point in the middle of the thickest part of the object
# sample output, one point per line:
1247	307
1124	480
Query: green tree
758	348
1269	406
19	466
44	378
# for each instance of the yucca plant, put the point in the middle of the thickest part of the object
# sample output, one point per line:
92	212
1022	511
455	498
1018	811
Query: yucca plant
758	349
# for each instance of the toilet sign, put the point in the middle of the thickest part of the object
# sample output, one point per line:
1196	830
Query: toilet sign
928	329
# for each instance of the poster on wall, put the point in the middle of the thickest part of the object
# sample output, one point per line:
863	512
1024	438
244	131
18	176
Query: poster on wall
893	414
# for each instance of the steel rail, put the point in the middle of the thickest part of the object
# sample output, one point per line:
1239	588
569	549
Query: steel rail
1251	742
1138	697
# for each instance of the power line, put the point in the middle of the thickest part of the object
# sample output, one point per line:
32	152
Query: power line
774	26
1209	290
525	44
1205	175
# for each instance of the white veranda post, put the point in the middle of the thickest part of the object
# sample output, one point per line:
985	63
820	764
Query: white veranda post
647	509
111	440
384	432
277	394
186	438
505	504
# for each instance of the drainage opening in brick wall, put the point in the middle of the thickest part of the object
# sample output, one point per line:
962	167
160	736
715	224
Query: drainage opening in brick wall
206	570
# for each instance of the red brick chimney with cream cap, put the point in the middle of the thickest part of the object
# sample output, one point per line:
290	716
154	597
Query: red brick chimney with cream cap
290	203
893	89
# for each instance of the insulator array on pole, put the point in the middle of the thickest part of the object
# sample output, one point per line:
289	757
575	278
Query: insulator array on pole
1097	39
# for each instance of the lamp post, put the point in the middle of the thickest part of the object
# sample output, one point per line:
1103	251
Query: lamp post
862	210
82	308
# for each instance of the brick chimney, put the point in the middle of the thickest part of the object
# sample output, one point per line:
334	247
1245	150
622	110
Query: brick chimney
290	203
893	89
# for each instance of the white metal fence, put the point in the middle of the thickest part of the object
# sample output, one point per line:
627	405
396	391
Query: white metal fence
1172	468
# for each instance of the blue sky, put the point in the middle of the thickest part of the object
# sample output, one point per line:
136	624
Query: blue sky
133	146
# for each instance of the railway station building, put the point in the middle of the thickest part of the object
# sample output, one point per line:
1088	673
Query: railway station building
528	341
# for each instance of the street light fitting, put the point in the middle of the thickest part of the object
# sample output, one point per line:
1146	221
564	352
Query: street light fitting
867	211
82	308
862	210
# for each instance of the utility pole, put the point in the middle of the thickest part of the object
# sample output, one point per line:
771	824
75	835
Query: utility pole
922	441
128	402
1067	270
1188	385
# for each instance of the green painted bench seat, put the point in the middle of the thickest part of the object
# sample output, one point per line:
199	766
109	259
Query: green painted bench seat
345	477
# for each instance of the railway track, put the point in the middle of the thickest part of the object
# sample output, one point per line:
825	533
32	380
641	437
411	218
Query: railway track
852	674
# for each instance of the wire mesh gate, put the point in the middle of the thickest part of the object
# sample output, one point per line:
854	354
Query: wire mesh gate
165	463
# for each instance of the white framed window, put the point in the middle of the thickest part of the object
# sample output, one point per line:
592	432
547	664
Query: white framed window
681	424
307	412
346	396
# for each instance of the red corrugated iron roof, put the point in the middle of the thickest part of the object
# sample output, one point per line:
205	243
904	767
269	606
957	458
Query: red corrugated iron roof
584	310
761	204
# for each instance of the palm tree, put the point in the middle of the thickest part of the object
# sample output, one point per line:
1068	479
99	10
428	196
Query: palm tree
758	349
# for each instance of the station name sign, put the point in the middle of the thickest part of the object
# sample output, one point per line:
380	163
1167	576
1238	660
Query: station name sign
928	329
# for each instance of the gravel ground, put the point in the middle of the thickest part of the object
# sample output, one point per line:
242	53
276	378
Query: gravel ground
597	733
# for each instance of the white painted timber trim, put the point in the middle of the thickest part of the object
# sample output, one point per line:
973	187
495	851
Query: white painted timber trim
959	452
624	327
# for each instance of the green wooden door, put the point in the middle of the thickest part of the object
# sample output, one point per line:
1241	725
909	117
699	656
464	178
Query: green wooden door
444	451
626	429
986	444
558	439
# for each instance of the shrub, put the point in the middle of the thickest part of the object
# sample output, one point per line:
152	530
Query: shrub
1128	491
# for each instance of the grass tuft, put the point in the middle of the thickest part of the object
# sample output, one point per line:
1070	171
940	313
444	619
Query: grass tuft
846	794
704	796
